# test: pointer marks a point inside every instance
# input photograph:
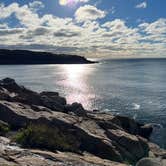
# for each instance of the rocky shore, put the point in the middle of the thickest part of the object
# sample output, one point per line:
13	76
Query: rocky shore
41	129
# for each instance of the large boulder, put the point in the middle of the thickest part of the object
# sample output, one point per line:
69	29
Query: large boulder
76	108
8	81
133	127
19	114
11	91
53	101
108	121
156	151
145	130
130	146
151	162
54	96
51	104
19	93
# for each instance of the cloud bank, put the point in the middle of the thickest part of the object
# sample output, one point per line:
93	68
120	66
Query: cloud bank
83	34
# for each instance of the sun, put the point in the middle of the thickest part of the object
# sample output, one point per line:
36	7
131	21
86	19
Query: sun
63	2
67	2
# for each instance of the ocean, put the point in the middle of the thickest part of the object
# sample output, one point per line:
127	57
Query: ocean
131	87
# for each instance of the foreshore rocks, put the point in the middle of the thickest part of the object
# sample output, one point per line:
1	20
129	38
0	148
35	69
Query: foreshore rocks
52	132
12	155
151	162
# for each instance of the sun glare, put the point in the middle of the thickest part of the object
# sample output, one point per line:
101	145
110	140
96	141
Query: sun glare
74	72
63	2
67	2
76	82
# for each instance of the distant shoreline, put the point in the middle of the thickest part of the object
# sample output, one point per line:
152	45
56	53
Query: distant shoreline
131	58
26	57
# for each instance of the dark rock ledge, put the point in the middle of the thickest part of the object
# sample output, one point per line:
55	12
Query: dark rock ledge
41	129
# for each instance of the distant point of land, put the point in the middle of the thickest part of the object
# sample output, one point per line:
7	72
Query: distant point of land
8	57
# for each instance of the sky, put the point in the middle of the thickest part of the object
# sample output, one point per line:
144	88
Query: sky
92	28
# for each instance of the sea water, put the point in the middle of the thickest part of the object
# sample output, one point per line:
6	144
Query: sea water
131	87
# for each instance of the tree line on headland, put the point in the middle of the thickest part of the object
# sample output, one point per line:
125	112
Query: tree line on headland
37	57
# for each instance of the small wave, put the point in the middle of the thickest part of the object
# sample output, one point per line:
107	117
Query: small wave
105	110
136	106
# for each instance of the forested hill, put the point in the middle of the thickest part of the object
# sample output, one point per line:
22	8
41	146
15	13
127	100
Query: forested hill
33	57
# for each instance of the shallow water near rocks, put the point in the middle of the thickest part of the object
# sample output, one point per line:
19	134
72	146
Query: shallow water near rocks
132	87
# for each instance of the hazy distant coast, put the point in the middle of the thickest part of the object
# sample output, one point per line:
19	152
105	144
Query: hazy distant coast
33	57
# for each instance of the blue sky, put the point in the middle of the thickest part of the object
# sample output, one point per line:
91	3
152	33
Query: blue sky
93	28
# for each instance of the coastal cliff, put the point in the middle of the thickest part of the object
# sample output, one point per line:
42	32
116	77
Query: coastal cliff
34	57
41	129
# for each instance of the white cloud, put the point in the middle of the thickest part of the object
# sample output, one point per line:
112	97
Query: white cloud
36	5
89	38
6	11
24	14
142	5
157	27
3	26
88	12
9	31
66	2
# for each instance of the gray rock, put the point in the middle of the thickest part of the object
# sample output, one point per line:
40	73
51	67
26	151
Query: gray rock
12	155
102	135
76	108
130	146
54	96
48	99
7	81
150	162
19	115
52	104
145	130
133	127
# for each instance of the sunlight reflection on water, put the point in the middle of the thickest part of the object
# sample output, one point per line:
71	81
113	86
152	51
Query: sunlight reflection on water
75	79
